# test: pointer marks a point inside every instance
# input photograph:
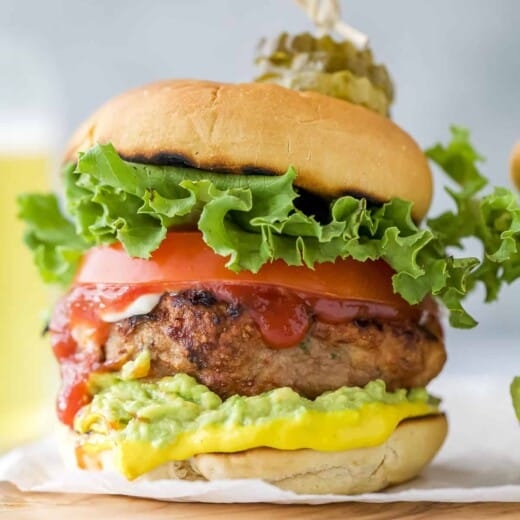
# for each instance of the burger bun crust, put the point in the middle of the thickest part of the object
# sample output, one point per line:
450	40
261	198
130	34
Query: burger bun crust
337	148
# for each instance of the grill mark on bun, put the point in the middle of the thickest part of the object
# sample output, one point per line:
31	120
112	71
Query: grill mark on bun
182	160
262	128
257	170
308	202
162	159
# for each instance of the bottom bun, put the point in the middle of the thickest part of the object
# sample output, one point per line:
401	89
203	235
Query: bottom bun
405	453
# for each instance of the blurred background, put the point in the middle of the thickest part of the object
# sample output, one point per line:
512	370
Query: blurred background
453	61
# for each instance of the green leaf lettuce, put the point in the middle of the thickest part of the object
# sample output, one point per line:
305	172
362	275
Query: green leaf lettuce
252	220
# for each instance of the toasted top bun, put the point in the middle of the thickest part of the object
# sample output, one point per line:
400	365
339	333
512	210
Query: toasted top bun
336	147
515	165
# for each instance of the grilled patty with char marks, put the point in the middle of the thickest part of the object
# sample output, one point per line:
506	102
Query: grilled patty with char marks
219	344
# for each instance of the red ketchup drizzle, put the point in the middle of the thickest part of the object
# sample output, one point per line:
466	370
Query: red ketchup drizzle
81	307
283	317
280	314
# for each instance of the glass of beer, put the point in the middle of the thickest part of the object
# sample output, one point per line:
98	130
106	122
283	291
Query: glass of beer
27	370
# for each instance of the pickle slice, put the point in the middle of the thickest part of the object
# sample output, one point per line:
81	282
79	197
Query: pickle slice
339	69
342	85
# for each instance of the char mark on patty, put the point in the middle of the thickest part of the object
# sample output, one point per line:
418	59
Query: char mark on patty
221	346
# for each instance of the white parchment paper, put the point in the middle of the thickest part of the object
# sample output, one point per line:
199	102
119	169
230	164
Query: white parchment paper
479	462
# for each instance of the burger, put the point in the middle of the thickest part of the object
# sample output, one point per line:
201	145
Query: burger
249	291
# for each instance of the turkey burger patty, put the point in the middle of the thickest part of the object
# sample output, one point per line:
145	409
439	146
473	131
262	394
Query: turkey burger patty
219	344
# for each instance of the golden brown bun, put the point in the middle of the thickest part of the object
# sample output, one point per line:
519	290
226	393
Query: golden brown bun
515	165
407	451
336	147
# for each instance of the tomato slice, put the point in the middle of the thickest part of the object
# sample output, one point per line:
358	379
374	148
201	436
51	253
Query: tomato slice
184	258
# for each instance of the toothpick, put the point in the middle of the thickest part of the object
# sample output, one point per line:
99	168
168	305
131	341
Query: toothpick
325	15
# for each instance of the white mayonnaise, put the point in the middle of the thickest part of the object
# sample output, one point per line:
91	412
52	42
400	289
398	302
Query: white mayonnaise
141	305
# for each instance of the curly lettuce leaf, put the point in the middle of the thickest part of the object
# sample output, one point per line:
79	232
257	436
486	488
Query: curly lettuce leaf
492	219
253	220
52	238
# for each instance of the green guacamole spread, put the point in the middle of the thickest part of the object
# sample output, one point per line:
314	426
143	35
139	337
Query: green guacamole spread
159	410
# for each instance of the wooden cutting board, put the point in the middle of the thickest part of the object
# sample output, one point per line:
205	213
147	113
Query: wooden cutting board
57	506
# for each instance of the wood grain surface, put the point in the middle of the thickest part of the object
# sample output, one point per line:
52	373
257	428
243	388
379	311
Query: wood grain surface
20	506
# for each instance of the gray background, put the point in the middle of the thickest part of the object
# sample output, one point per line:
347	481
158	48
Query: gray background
454	61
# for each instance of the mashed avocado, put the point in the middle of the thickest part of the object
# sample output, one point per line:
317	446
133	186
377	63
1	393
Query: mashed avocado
161	410
145	423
